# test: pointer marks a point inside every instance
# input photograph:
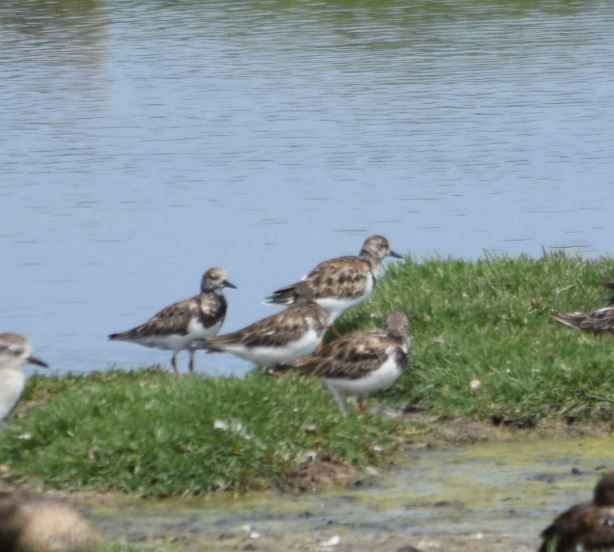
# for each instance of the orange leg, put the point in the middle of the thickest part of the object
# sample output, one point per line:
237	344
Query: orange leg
174	365
335	334
360	403
334	331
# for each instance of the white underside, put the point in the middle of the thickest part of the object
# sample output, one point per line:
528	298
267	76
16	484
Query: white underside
335	306
177	342
12	382
382	378
268	356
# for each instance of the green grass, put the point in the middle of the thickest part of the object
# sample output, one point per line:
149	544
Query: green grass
145	433
489	320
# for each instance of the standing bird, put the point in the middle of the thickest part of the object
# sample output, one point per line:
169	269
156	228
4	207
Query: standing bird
31	522
362	362
341	283
277	339
14	353
175	327
586	526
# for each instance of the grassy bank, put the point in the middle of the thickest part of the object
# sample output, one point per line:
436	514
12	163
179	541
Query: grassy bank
143	432
489	321
146	433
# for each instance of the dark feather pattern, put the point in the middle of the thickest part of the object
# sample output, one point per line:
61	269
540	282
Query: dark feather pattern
358	354
176	326
208	307
274	331
587	526
342	277
597	322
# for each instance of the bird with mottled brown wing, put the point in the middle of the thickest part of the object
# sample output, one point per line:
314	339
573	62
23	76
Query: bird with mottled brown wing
176	326
277	339
598	321
343	282
351	356
362	362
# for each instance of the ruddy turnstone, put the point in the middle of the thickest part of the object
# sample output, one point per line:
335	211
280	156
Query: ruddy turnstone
277	339
341	283
30	522
175	327
14	353
586	526
362	362
598	321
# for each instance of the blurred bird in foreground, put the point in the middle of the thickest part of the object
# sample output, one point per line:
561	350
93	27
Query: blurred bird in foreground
15	352
31	522
586	526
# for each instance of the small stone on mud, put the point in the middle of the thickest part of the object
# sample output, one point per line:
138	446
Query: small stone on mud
330	543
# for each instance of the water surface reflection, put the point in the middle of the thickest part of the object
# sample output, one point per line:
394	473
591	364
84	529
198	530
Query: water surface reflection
143	142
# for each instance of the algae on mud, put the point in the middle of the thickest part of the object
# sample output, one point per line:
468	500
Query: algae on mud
494	496
142	432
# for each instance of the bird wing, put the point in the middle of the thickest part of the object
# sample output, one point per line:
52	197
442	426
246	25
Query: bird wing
351	357
344	277
173	319
274	331
599	321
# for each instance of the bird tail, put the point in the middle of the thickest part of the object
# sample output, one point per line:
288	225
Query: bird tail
283	296
571	319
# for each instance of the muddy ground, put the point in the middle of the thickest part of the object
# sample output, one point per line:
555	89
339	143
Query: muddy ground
455	486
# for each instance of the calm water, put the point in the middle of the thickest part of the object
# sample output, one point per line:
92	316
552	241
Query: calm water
144	141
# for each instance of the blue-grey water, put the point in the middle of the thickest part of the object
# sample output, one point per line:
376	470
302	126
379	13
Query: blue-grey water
142	142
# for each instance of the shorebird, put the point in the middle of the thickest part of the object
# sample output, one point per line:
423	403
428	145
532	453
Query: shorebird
598	321
14	353
277	339
586	526
340	283
32	522
362	362
175	327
